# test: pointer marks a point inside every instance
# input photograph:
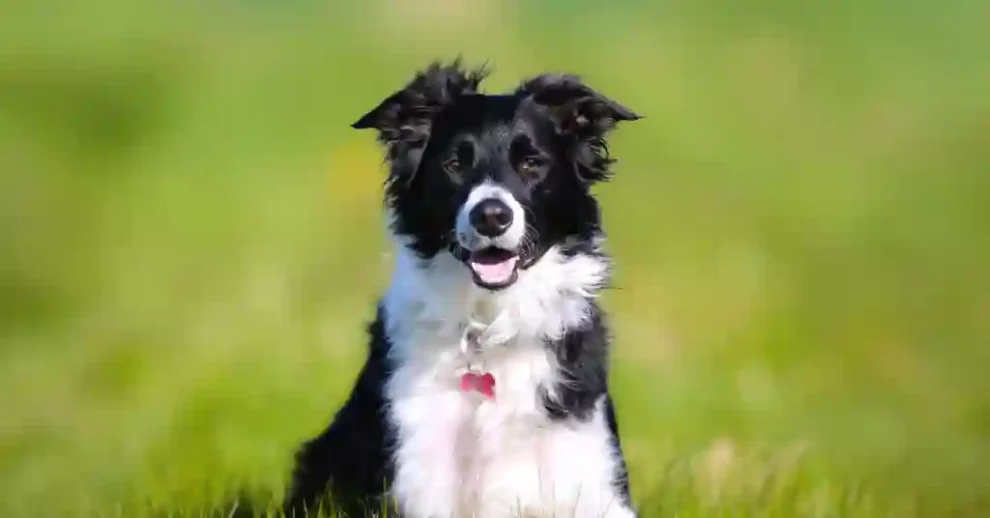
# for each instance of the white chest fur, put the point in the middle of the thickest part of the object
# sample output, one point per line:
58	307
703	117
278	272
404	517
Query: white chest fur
459	454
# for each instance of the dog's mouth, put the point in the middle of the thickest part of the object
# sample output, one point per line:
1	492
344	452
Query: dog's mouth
493	268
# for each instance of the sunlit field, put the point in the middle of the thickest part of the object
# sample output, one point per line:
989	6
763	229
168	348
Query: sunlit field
191	243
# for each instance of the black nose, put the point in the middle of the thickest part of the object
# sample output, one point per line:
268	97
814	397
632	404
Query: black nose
491	217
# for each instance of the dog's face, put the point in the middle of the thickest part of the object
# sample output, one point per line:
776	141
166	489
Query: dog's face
496	180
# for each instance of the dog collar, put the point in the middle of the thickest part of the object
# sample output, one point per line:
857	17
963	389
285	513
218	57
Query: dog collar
475	380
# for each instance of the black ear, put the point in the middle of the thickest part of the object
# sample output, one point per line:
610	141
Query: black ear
575	107
404	119
580	115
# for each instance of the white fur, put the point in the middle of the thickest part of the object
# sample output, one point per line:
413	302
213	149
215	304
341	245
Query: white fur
460	455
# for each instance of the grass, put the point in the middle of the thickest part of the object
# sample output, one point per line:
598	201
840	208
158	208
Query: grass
801	299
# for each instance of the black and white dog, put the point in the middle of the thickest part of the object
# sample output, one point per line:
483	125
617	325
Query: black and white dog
485	388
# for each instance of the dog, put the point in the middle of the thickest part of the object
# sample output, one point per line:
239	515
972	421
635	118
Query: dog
485	389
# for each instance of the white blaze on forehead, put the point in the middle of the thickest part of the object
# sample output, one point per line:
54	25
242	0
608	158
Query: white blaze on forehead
512	237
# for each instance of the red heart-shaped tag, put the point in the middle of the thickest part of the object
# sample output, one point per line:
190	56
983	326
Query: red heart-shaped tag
482	383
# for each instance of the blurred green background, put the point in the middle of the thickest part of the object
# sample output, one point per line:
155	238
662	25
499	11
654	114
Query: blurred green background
191	241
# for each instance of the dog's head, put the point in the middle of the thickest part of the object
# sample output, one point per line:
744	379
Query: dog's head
496	180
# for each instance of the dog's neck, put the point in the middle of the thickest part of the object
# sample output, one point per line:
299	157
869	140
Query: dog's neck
551	296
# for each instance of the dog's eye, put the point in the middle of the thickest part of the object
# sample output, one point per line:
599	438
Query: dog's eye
531	168
452	165
462	158
453	168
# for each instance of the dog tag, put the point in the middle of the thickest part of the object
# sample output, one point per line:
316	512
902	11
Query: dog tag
482	383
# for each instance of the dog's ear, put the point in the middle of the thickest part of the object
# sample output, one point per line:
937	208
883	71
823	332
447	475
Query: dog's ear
575	107
404	120
581	116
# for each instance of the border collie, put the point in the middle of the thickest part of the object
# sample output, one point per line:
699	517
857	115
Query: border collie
485	388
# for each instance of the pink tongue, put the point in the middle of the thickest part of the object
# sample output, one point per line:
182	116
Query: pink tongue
495	272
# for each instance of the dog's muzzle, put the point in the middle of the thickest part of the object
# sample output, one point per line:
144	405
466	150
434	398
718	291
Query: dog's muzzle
490	231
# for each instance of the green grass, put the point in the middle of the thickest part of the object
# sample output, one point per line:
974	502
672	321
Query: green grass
801	302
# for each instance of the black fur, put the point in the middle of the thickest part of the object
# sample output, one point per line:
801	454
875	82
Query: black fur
553	117
583	357
351	458
440	118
